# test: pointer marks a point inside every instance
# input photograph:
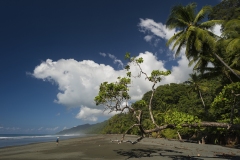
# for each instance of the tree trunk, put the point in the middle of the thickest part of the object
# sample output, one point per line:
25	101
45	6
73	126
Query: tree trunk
201	124
220	59
203	140
232	108
150	106
200	94
179	136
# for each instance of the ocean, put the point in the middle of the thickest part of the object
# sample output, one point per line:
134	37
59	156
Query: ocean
7	140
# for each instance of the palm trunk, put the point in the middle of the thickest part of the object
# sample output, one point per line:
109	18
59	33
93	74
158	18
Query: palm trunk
220	59
205	109
232	110
200	94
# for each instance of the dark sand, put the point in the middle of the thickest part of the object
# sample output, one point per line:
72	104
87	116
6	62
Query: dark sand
101	147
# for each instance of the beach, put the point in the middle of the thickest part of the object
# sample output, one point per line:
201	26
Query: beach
101	147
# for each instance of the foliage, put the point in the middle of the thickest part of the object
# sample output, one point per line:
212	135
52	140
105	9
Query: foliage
119	124
113	95
194	34
169	133
179	118
167	109
226	10
227	103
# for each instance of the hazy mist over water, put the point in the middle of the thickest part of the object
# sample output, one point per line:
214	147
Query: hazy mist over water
23	139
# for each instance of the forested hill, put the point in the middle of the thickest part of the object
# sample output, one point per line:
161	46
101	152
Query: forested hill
85	128
183	97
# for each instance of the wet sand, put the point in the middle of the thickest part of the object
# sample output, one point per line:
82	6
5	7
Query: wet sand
100	147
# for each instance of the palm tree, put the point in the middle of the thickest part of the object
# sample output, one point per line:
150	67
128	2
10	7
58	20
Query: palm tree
195	36
231	33
196	86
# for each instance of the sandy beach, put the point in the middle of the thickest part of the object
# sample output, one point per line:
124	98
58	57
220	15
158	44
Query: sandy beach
100	147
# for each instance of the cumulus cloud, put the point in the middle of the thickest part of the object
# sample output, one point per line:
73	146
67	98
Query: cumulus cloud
78	81
217	30
92	114
181	72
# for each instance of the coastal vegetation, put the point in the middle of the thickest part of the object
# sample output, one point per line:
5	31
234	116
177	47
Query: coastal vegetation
205	107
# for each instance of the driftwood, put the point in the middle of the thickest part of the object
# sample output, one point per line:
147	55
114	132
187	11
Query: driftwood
172	126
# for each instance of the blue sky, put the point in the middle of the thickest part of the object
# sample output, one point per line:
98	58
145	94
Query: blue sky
54	55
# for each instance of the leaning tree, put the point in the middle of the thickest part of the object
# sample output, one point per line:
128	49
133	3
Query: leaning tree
195	35
115	97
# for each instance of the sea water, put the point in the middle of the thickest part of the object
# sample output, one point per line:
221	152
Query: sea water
7	140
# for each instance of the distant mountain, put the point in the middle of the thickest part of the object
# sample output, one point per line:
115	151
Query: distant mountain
85	128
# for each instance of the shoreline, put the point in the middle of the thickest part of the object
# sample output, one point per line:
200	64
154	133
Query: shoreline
25	139
101	147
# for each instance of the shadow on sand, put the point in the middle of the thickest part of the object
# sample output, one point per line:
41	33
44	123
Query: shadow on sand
171	154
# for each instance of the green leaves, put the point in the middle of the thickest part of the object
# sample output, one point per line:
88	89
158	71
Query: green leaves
127	55
223	106
227	94
139	60
156	75
113	92
179	118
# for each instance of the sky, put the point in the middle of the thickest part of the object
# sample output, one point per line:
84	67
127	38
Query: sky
56	53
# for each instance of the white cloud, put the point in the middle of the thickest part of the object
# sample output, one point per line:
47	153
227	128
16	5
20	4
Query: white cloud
65	128
103	54
40	128
148	38
115	60
58	114
1	127
217	30
78	82
179	73
13	128
52	129
90	114
154	28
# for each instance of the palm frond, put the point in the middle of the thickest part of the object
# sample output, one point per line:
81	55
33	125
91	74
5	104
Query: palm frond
201	14
233	46
191	62
198	44
174	37
232	24
211	24
180	16
180	46
181	38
